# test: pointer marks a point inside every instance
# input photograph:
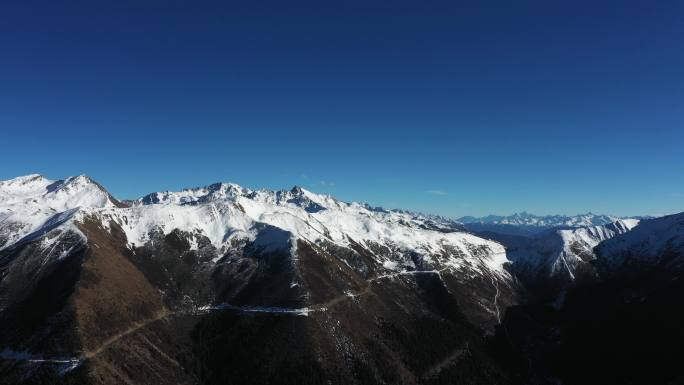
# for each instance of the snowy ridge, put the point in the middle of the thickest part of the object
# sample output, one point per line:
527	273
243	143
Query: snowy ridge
226	212
192	195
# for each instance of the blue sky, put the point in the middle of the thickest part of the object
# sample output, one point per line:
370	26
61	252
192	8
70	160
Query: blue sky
445	107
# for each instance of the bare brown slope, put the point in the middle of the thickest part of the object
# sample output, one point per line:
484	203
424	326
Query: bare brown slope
120	315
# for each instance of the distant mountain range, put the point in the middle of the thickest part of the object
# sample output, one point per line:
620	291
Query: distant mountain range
546	221
528	224
224	284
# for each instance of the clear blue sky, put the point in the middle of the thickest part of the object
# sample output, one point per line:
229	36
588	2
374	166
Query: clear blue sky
446	107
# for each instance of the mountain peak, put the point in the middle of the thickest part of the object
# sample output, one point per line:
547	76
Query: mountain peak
193	195
24	178
81	181
297	190
33	202
19	188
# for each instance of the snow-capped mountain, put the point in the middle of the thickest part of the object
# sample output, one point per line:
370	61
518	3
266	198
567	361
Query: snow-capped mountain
33	202
85	280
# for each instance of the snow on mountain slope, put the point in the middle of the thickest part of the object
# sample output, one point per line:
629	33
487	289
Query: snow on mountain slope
227	213
653	242
564	252
31	203
578	244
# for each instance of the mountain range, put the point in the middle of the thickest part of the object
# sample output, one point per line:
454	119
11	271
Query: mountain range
223	284
529	224
546	221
